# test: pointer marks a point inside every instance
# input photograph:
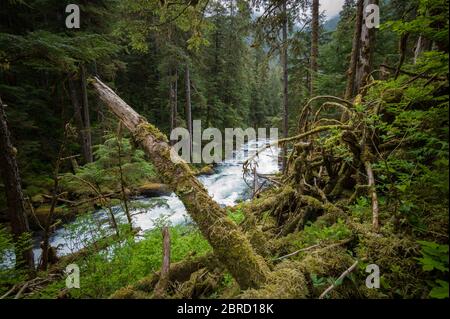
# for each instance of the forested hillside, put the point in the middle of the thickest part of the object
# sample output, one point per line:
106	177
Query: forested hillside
356	184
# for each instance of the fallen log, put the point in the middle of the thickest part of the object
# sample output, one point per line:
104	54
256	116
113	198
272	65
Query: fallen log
230	245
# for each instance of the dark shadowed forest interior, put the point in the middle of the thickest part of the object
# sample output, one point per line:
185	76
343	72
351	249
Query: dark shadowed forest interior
348	201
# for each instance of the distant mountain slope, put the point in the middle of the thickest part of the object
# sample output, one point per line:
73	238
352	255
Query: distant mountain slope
331	24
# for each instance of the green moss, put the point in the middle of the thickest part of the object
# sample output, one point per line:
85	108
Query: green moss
145	128
201	284
129	293
395	255
270	199
229	242
37	199
206	170
287	281
311	201
236	215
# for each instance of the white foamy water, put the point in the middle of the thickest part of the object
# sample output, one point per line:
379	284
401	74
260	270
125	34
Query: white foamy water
226	186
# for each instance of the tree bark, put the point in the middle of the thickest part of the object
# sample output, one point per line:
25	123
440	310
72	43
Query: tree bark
49	253
284	61
422	45
78	112
173	100
351	73
314	45
86	117
364	66
188	107
373	195
14	197
230	245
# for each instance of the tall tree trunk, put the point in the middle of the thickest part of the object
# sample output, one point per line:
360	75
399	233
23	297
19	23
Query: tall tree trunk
314	45
284	59
86	117
364	66
121	176
188	106
173	100
422	45
351	73
48	253
14	197
403	44
230	245
78	112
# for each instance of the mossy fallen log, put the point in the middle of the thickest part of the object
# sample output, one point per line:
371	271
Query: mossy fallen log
230	245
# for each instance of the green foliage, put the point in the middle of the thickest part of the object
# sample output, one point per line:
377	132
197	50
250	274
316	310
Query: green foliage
434	256
361	209
415	174
128	260
431	13
237	216
138	45
9	273
319	232
435	259
227	280
318	281
142	18
50	52
440	291
104	171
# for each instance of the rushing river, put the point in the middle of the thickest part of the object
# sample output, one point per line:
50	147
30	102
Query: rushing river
226	186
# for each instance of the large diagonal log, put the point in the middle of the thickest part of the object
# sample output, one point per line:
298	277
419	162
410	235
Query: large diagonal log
230	245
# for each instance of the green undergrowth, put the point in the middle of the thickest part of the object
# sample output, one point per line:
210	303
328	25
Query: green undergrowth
236	215
10	276
104	172
127	261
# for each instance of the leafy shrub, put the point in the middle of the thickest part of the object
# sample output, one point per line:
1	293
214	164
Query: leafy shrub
10	275
435	259
237	216
104	171
128	260
318	232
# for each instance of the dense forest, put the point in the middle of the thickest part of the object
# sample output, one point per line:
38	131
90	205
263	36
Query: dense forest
349	201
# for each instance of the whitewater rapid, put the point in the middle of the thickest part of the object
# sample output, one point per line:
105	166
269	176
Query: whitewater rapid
226	186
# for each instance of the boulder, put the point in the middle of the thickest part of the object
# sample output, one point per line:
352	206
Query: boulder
206	170
154	190
37	199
